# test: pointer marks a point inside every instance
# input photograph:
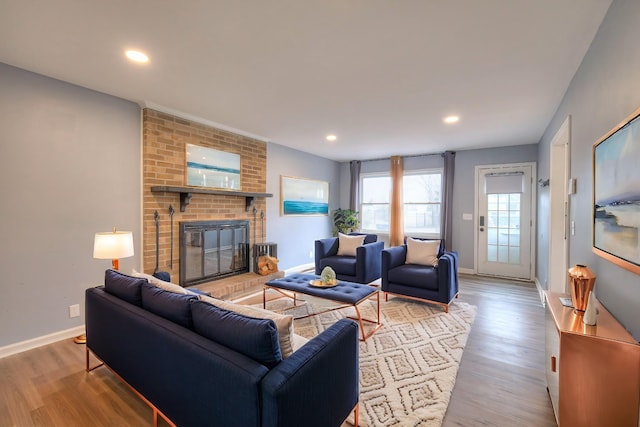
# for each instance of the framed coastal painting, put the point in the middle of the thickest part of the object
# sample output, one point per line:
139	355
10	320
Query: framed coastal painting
616	195
302	196
211	168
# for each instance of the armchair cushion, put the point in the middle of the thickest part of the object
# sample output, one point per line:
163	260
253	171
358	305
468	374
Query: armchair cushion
342	265
347	245
417	276
422	252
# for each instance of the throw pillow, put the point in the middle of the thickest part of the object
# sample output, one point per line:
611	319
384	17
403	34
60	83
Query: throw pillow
422	252
171	306
125	287
255	338
167	286
347	244
284	323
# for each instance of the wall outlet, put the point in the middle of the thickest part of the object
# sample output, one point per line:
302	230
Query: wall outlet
74	310
310	254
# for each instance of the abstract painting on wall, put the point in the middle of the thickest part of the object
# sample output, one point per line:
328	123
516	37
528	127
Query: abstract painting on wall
207	167
616	194
304	196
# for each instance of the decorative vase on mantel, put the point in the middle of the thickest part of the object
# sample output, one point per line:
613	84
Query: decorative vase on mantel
581	282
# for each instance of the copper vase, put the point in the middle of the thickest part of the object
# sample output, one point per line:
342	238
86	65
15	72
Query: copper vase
581	282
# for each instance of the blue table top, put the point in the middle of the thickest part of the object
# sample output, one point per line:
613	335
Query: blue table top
346	292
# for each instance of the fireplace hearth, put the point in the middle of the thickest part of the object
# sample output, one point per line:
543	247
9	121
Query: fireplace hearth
211	250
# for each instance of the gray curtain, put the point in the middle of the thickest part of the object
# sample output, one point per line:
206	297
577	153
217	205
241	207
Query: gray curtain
447	201
354	196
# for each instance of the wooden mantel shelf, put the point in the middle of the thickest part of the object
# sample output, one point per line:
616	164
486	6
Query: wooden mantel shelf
187	192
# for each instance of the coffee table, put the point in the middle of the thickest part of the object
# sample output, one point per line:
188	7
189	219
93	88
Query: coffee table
346	294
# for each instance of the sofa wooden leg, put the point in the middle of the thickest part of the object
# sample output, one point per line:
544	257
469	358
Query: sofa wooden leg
356	412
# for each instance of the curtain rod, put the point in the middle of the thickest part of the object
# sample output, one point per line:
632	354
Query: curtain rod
404	157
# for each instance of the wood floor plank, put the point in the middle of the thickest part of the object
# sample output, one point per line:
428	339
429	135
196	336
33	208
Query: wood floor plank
500	382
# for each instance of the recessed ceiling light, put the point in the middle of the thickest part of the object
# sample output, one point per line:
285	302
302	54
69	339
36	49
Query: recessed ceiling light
137	56
331	137
451	119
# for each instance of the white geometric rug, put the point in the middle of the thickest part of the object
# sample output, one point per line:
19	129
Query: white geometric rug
408	367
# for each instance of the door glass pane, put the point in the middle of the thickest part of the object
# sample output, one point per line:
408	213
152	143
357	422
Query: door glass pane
492	253
503	228
503	254
492	202
492	236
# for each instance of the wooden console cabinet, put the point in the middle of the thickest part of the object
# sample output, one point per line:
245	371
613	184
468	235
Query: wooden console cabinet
593	372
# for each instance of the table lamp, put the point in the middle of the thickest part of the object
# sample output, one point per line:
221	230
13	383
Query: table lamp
111	245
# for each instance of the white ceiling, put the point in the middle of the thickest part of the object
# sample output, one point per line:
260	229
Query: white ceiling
380	74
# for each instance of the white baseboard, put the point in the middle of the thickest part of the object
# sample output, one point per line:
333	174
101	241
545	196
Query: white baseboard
300	268
540	291
466	271
19	347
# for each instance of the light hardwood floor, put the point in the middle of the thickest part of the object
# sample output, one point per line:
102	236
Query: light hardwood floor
500	381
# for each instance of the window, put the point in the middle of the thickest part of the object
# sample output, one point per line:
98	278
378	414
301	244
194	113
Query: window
422	196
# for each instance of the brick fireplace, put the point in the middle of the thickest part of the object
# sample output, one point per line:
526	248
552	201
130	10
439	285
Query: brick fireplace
163	157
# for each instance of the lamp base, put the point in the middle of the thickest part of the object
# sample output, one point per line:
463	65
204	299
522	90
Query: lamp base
80	339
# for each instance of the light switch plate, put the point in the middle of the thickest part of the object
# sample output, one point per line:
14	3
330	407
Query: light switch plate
467	217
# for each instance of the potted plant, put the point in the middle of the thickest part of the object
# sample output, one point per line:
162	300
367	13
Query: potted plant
345	221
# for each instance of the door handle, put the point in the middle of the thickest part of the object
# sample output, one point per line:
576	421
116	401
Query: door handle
481	222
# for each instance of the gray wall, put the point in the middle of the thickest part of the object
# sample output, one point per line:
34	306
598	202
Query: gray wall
69	167
604	91
464	191
295	235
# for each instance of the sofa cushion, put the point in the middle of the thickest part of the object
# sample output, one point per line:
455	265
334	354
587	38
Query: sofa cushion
422	252
171	306
284	323
341	265
417	276
125	287
347	244
162	284
255	338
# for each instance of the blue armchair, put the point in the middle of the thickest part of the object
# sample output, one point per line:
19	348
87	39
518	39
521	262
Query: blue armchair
362	268
423	282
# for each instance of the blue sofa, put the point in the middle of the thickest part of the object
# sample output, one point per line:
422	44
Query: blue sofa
362	268
160	344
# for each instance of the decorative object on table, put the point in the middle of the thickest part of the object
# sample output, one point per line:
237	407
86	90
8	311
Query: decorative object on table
590	314
616	194
111	245
328	276
345	221
301	196
211	168
267	265
581	282
171	212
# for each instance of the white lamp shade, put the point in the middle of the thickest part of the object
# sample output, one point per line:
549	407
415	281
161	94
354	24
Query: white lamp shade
113	245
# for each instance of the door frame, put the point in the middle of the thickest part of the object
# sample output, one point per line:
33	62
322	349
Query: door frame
532	214
559	208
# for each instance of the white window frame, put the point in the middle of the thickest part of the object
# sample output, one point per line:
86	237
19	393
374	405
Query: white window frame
429	171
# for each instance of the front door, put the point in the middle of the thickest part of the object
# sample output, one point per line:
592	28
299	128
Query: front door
504	221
